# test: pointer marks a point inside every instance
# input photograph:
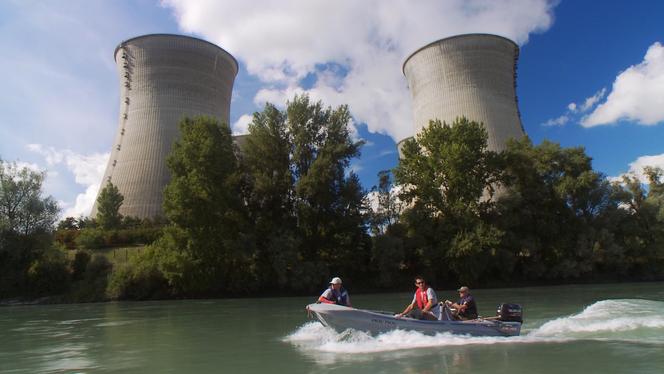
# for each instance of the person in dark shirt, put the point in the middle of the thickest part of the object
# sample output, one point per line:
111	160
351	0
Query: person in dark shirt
466	307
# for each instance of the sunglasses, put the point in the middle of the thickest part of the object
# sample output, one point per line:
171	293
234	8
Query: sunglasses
419	282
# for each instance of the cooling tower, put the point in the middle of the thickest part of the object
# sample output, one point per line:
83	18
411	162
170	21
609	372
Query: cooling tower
163	78
470	75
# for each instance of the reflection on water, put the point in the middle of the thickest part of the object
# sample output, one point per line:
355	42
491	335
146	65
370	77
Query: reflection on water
600	328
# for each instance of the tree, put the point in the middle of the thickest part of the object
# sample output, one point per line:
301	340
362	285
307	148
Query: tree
204	203
448	178
385	205
329	201
26	224
108	207
69	223
306	207
23	210
556	211
269	189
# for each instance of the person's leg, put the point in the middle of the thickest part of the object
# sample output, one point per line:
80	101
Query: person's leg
415	314
429	316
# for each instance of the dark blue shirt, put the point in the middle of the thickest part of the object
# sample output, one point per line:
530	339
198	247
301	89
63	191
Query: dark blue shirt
471	309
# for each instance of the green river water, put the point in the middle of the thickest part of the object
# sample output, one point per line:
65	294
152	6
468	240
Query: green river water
609	328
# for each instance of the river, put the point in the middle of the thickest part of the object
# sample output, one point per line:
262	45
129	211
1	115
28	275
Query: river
608	328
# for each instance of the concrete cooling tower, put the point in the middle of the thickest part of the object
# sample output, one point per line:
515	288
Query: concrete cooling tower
470	75
163	78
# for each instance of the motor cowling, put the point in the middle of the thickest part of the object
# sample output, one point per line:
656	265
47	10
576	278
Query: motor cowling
510	312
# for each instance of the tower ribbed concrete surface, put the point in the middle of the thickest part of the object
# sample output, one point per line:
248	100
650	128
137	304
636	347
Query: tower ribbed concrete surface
470	75
163	78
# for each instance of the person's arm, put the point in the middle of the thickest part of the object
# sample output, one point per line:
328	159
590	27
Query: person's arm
428	306
459	307
406	311
452	304
325	297
431	295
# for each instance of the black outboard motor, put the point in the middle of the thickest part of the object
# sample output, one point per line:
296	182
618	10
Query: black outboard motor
510	313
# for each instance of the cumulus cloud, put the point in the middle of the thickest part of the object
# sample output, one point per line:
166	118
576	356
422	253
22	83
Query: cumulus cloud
637	94
636	167
88	171
353	50
241	126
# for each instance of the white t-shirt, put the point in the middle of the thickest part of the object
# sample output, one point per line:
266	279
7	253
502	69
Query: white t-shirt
431	296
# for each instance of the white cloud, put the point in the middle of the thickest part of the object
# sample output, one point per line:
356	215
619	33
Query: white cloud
29	165
241	126
636	167
590	102
574	110
637	94
560	121
353	49
88	171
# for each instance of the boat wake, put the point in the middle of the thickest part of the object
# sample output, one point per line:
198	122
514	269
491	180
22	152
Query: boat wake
608	320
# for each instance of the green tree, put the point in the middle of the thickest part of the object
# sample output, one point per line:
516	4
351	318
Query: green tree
385	207
269	188
555	210
329	200
204	203
449	178
108	207
640	225
26	224
305	205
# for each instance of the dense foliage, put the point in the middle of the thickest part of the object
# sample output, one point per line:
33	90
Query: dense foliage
529	213
280	212
26	221
108	205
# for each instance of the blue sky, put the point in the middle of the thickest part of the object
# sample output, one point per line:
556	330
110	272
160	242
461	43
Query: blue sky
590	73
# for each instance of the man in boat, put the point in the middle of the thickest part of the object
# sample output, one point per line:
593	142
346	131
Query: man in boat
466	307
424	304
335	294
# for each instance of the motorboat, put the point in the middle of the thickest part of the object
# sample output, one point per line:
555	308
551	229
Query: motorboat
507	322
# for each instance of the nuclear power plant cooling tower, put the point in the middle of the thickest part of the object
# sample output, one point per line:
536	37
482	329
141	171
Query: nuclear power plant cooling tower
470	75
163	78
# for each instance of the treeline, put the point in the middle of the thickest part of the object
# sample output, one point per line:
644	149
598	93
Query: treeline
529	213
285	213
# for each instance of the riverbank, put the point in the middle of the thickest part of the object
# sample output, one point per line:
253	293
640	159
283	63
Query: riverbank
64	299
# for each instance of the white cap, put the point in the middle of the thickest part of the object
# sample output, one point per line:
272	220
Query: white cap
336	280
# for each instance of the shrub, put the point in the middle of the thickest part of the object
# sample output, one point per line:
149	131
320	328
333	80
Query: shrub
139	279
91	238
67	237
48	275
79	264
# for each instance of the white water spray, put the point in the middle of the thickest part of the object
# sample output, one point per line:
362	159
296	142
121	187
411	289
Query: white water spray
620	320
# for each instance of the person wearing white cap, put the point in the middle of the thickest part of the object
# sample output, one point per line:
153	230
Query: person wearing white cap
335	294
466	307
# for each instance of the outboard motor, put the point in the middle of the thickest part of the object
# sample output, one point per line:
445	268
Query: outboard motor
510	313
